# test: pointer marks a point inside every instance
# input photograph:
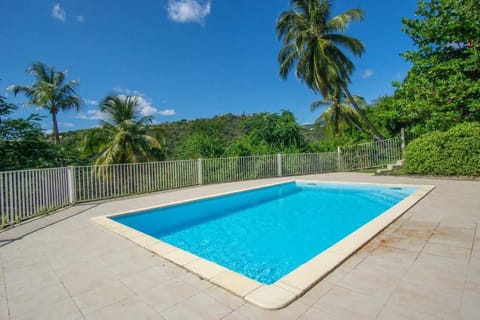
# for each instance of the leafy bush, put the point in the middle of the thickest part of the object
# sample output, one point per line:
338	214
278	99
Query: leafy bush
453	152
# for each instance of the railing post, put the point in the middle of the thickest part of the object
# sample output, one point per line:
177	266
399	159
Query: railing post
71	184
339	158
199	171
403	139
279	164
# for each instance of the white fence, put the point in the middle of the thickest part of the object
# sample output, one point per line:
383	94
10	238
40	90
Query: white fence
27	193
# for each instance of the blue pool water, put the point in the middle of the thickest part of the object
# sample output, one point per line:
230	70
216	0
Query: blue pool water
266	233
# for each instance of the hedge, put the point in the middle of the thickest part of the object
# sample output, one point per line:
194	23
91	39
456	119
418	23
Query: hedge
455	152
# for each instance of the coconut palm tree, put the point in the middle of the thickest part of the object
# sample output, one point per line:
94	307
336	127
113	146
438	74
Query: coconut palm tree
5	107
50	91
339	115
123	136
312	43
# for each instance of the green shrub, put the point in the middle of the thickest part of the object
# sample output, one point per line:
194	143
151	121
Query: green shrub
455	152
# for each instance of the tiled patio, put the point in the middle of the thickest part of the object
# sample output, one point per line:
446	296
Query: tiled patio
426	265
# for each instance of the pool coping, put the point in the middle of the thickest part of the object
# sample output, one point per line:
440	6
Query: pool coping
291	286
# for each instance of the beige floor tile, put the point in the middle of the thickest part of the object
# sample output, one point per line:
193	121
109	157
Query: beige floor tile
404	241
470	308
419	225
130	308
200	306
168	294
458	237
315	293
316	314
224	297
3	309
446	250
384	266
235	316
473	273
84	277
151	277
63	310
102	296
476	246
344	302
426	299
34	300
30	278
252	312
441	267
195	280
371	283
395	312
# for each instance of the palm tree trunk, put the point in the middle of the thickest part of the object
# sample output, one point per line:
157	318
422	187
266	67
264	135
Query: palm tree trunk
377	135
56	135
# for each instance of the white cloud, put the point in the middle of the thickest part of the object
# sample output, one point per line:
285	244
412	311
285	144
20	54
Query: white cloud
67	124
92	115
127	91
80	19
59	13
90	102
144	105
366	74
167	112
184	11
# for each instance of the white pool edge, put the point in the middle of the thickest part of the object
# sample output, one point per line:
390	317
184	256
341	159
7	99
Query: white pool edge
291	286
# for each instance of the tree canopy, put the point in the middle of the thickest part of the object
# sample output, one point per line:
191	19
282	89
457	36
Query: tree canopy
50	91
123	136
313	43
443	86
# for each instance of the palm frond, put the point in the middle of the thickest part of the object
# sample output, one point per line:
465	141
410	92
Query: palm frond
340	23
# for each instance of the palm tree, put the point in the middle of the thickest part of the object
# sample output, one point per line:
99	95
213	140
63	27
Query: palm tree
122	137
50	92
5	107
312	42
339	115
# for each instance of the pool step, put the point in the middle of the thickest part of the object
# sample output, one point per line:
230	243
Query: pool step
390	167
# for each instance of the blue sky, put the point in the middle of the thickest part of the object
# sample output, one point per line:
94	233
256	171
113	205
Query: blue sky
185	59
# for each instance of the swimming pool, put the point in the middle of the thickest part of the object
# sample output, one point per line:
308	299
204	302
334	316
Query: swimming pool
267	234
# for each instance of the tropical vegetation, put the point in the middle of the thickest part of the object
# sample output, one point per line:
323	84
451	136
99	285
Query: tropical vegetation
439	100
442	88
312	43
452	152
339	116
123	137
50	91
23	143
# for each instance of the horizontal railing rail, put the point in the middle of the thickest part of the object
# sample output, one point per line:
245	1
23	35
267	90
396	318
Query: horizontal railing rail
28	193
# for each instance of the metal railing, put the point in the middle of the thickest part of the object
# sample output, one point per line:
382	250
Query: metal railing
27	193
370	155
100	182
